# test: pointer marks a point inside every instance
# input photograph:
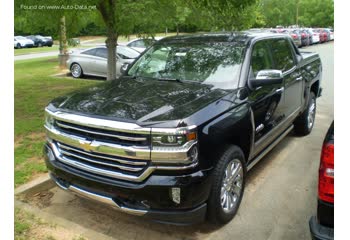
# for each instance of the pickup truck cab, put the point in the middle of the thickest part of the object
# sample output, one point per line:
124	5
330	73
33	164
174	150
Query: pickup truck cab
174	138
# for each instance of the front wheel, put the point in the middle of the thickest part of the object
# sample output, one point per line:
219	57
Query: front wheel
227	186
305	122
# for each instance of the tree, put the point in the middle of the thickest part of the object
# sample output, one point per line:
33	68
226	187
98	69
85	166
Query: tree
228	15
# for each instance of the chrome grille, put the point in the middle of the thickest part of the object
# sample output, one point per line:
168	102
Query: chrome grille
104	135
102	163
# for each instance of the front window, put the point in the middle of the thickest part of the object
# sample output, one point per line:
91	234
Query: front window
216	64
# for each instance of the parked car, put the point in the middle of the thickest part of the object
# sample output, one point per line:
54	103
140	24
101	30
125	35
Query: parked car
140	44
309	35
322	225
47	41
304	37
295	35
323	35
38	42
330	34
93	61
174	138
22	42
315	35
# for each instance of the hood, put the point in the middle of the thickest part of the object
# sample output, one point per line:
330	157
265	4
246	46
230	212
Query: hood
140	100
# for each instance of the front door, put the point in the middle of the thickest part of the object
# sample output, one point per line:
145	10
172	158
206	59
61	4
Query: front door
267	101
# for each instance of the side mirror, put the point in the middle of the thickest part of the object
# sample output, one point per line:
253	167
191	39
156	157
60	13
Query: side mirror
124	68
267	77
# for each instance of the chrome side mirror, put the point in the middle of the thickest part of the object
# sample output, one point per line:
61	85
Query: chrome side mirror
267	77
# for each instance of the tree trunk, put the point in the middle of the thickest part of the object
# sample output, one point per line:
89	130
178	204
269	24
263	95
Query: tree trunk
63	55
111	44
108	9
177	29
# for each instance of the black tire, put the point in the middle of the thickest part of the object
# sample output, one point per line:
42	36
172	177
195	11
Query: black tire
76	70
19	45
216	212
40	44
305	122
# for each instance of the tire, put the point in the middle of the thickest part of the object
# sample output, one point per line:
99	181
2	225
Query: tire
225	189
40	44
19	45
76	70
305	122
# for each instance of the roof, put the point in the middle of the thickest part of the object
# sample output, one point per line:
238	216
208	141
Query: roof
234	37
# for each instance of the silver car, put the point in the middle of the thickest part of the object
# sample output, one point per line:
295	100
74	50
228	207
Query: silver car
93	61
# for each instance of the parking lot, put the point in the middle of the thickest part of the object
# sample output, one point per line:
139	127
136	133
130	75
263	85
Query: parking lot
280	194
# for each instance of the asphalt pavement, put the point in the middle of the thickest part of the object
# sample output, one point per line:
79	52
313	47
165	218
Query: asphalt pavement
279	199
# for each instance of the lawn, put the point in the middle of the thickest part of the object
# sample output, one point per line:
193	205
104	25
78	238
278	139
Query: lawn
22	51
34	88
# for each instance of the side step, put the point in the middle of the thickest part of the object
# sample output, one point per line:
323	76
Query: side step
268	149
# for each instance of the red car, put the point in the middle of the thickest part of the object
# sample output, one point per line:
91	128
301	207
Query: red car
323	35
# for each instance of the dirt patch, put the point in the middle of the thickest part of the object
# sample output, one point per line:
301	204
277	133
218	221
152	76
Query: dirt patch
41	199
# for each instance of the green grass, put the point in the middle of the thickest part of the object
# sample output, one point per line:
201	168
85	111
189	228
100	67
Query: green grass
23	51
34	89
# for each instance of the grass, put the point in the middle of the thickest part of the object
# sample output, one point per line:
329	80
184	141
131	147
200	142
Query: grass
23	51
30	227
34	89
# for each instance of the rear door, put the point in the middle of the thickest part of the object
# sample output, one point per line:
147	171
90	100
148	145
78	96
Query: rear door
100	66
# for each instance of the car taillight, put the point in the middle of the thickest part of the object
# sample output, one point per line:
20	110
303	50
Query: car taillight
294	36
326	174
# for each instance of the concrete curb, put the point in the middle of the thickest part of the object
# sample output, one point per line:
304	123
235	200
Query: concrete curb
39	184
50	218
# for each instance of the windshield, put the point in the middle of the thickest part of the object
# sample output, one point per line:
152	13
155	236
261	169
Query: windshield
216	64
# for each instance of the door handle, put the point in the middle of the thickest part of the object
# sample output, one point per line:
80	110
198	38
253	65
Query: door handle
279	90
299	78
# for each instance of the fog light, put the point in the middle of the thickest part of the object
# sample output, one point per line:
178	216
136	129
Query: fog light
176	195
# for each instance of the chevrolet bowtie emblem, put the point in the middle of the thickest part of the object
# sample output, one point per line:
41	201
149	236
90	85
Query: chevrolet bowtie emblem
87	146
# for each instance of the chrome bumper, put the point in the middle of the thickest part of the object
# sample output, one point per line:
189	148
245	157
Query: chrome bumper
99	198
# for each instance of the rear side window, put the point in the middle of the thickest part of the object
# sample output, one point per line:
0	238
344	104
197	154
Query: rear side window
102	52
91	52
282	54
261	58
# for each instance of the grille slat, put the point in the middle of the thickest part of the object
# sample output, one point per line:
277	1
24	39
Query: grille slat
100	162
91	154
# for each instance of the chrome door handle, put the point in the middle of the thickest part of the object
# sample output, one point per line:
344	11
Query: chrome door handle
299	78
279	90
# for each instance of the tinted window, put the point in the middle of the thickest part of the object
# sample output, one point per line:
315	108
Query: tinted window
282	54
101	52
261	58
127	53
91	52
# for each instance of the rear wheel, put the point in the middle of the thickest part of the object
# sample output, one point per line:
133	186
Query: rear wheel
19	45
227	187
76	70
305	122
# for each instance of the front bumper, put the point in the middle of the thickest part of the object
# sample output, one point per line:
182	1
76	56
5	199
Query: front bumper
320	232
151	198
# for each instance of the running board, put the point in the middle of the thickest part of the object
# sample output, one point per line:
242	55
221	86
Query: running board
268	149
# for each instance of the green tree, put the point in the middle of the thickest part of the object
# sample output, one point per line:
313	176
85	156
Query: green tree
316	13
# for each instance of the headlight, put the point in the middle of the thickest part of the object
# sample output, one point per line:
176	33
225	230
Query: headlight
49	120
174	146
173	140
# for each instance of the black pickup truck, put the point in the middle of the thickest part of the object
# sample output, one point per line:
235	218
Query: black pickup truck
174	137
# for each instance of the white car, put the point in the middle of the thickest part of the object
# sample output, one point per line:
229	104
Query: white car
93	61
140	44
21	42
315	35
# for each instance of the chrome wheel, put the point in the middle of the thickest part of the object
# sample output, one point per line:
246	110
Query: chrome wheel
76	70
231	188
311	113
